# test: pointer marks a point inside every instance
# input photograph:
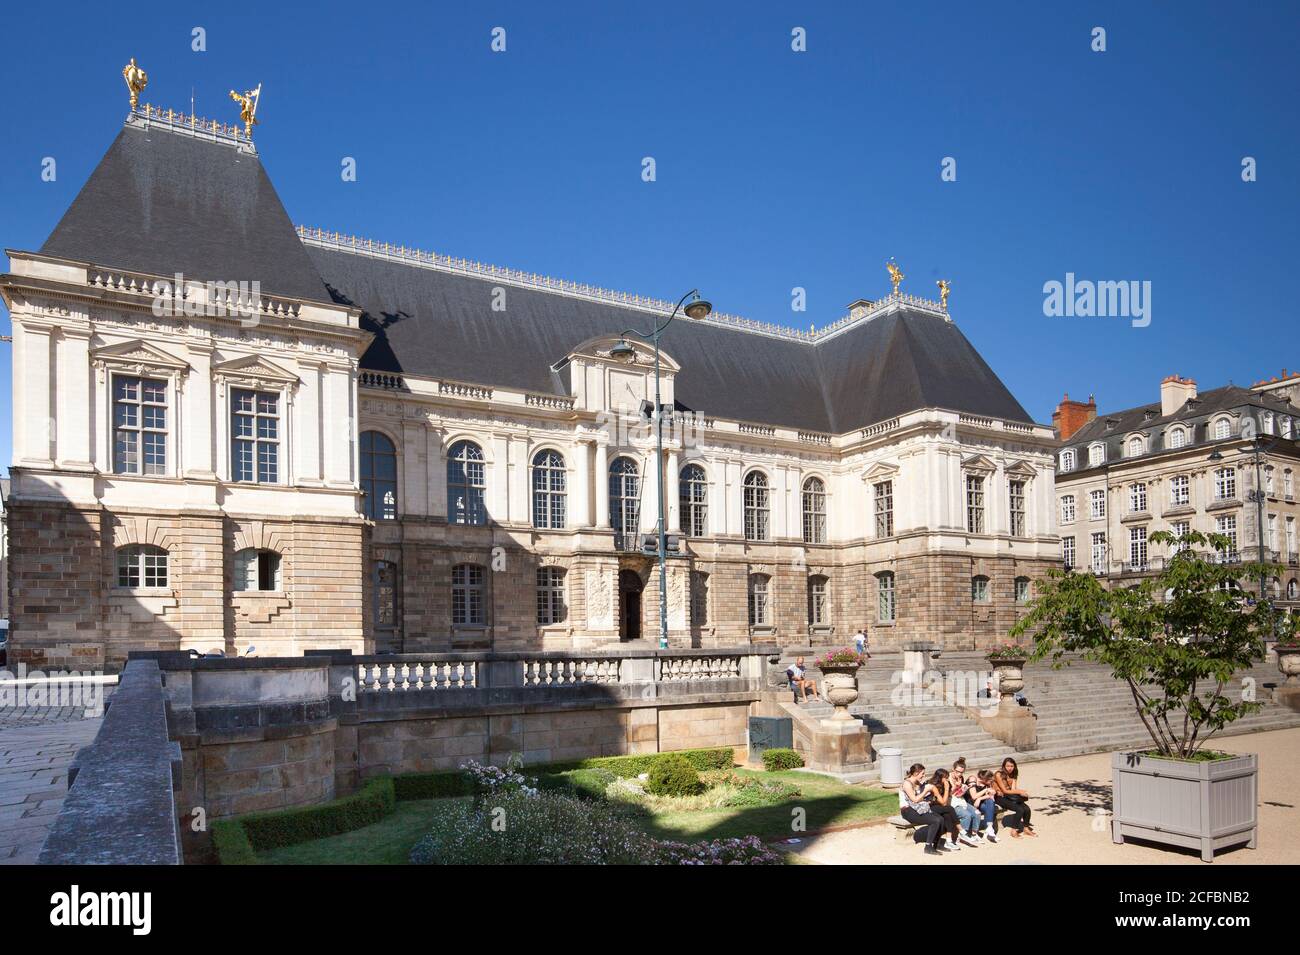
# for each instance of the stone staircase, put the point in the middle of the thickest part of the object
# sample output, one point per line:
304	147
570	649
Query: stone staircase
1080	708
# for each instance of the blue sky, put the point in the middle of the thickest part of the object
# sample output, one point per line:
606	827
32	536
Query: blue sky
775	169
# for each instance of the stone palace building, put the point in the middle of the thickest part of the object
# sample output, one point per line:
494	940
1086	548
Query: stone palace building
231	433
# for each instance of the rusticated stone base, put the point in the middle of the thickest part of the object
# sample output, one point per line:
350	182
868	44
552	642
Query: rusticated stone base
1012	723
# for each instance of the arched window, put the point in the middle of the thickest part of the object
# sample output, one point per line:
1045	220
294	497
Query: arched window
694	506
979	589
379	476
1136	445
885	597
1096	455
466	484
1022	590
467	595
256	570
141	565
624	497
1176	438
1067	459
814	511
756	507
549	490
819	610
1222	429
551	606
760	609
385	584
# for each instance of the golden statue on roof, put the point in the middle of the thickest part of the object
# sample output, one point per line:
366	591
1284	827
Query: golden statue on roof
944	289
248	108
136	80
896	275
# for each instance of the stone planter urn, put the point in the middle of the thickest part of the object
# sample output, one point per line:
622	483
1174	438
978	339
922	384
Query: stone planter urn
1206	805
1011	677
1288	661
840	688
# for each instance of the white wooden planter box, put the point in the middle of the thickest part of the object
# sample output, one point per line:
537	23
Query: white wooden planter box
1203	805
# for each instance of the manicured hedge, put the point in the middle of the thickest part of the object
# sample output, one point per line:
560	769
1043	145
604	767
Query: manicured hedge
722	757
432	785
237	841
779	758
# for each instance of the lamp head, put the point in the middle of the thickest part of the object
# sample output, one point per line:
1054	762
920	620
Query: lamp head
623	352
697	307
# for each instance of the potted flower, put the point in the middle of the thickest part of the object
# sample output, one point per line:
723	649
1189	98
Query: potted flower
840	679
1176	639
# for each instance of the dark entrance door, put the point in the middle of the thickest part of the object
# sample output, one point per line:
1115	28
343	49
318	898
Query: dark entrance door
629	605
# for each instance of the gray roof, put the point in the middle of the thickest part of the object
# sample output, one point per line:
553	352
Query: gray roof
1114	427
161	202
441	324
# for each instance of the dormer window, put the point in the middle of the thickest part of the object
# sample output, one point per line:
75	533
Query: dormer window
1136	446
1175	437
1222	429
1067	459
1096	455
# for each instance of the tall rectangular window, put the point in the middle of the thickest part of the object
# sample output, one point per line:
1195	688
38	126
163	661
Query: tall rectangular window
467	594
1225	484
1017	507
1067	509
1180	490
550	595
1137	498
1137	548
975	503
1067	552
1098	553
886	607
139	425
884	495
255	431
1097	504
1227	526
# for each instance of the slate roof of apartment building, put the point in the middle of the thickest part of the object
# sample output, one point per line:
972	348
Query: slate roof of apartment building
163	201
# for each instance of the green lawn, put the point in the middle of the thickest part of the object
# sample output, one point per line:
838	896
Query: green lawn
826	802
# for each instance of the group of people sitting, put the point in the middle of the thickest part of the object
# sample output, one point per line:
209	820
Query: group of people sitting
964	810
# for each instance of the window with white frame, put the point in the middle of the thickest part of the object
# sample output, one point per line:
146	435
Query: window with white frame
1097	504
551	606
624	496
1016	506
1222	429
1290	538
1180	490
1067	552
1096	455
1022	590
818	601
1180	529
1286	426
550	482
1268	480
385	596
1137	548
1067	509
760	611
1288	489
885	597
466	484
256	570
1271	526
255	436
1267	422
467	595
757	508
1098	553
1292	589
141	565
1225	484
1226	525
1137	498
1175	438
975	503
693	495
139	425
814	511
884	502
1136	445
979	589
1067	459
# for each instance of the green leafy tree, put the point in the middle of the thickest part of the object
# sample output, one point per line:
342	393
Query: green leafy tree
1175	638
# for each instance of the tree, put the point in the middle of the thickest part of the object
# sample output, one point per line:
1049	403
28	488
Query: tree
1171	637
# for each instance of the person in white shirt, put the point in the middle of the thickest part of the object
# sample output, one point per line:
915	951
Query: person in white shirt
799	682
860	642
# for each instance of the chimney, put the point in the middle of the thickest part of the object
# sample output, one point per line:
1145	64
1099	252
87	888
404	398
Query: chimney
1174	393
1070	416
858	308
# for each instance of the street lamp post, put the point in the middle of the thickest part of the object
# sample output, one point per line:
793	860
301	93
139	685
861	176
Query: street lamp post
698	308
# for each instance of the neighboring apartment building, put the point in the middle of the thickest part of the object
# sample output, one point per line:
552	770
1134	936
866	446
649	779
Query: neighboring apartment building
412	452
1192	461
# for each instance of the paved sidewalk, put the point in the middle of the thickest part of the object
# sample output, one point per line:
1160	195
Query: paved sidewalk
1064	794
34	755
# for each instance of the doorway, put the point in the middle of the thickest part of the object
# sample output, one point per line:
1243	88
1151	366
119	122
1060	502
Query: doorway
629	605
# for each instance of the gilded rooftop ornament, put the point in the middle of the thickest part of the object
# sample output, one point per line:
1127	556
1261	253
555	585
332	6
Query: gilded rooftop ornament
896	275
944	289
248	108
136	80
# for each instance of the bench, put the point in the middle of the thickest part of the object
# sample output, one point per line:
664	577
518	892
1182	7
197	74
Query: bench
904	830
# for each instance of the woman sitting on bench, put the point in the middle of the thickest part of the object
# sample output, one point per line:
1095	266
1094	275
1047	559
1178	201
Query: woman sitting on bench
1013	799
984	798
916	810
939	791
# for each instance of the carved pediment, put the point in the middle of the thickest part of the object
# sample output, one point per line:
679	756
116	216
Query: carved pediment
254	371
139	357
598	349
1021	469
880	471
978	463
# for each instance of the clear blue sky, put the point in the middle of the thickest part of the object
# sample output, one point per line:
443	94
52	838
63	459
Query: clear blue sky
775	169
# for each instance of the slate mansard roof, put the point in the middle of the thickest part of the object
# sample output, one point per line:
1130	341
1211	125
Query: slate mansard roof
162	201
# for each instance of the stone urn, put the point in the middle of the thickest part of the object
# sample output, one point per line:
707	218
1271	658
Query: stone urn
1288	661
840	688
1011	676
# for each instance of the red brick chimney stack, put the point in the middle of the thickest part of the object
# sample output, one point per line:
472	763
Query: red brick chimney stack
1070	416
